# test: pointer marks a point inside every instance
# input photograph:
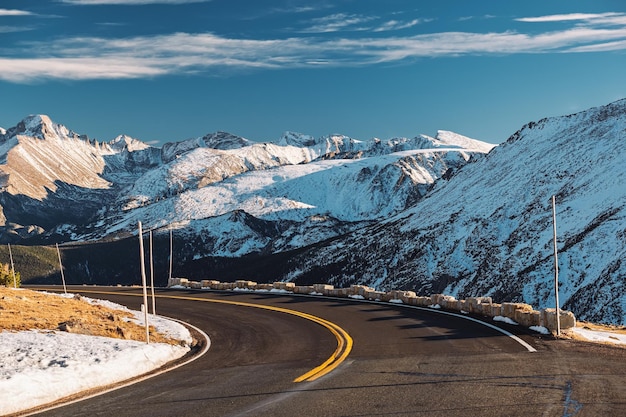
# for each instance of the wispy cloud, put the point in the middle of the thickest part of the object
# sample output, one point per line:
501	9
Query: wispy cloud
399	25
14	12
130	2
337	22
598	17
184	53
11	29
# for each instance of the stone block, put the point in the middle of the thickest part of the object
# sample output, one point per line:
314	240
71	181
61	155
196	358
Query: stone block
374	295
177	281
548	319
494	310
303	289
284	286
423	301
322	288
245	284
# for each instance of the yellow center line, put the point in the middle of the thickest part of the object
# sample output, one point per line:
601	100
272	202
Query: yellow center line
344	341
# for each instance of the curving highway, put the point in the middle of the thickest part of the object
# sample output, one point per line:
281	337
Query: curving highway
284	355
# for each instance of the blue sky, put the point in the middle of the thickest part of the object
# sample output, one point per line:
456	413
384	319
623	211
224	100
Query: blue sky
167	70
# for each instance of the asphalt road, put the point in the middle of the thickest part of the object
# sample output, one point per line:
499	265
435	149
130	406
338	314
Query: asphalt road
403	362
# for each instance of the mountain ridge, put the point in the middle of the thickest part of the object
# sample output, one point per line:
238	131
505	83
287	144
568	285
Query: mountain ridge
46	164
491	234
434	215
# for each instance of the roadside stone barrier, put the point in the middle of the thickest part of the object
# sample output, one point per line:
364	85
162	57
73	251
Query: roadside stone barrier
520	313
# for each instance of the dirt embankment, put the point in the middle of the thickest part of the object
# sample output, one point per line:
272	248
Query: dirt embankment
25	310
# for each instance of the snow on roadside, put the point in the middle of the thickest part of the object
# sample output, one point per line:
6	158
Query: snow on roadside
39	367
600	336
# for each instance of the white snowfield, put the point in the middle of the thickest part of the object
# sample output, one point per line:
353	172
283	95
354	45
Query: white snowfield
40	367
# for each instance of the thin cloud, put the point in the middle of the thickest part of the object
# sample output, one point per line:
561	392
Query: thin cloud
129	2
12	29
571	17
82	58
337	22
601	47
14	12
398	25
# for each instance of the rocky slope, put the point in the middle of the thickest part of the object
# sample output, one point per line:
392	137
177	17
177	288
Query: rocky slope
444	214
487	230
60	186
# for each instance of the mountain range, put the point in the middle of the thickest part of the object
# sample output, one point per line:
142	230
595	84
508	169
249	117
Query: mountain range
445	214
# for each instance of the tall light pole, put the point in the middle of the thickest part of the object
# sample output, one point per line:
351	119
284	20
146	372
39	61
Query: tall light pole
61	268
556	270
152	277
143	282
171	257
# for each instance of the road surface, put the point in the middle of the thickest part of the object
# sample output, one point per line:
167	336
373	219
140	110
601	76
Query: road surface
403	362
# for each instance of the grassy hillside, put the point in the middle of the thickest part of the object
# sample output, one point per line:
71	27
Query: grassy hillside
32	261
117	262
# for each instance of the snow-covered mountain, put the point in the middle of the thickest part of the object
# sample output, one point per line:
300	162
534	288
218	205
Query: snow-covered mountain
58	185
437	214
488	229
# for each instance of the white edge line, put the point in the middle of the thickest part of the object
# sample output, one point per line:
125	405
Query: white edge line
136	380
433	310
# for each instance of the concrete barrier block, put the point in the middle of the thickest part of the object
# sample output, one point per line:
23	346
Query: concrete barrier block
435	299
548	319
225	286
568	320
486	309
494	310
284	286
244	284
338	292
206	283
374	295
303	289
405	296
195	284
423	301
508	309
264	287
447	302
321	288
522	317
177	281
358	290
454	305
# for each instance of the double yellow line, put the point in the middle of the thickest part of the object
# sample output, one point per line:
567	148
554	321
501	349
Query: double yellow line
344	341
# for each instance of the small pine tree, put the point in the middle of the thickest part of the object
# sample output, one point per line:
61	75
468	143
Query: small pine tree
6	277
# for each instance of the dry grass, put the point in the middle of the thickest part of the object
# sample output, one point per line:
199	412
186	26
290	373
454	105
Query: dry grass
30	310
613	328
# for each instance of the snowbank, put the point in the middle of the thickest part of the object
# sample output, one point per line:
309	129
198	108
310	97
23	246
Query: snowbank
40	367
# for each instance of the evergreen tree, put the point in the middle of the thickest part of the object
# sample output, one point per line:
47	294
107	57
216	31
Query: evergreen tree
6	276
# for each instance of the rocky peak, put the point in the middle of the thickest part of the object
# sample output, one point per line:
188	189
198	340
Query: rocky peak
42	127
299	140
224	140
125	142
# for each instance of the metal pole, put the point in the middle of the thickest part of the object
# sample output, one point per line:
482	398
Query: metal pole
152	276
12	267
143	282
556	271
61	267
171	258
